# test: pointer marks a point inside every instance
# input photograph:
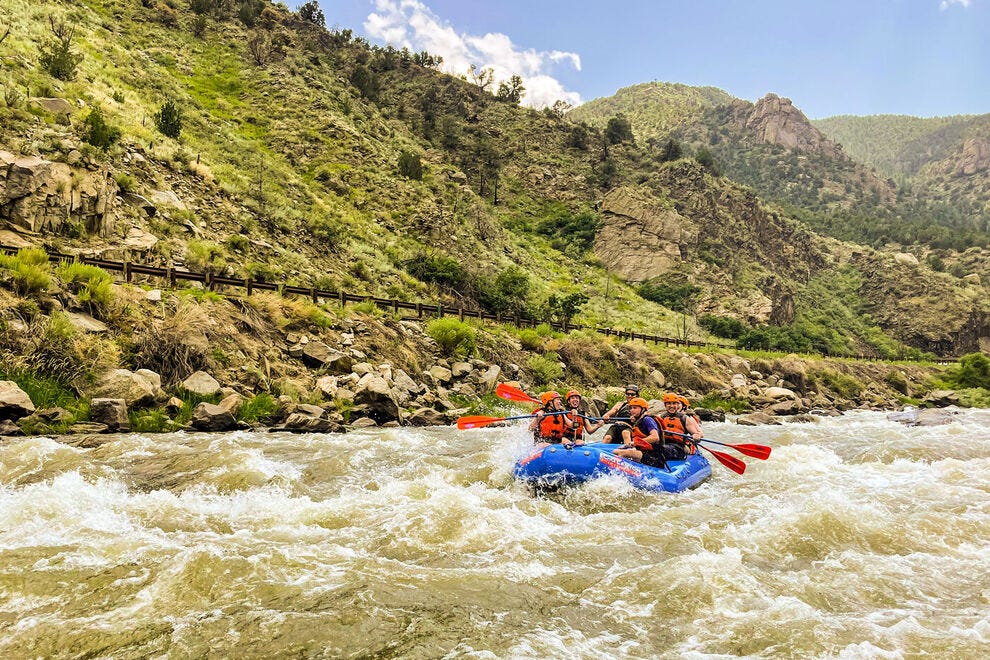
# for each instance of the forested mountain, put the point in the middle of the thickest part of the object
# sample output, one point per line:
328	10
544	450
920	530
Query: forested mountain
897	146
906	181
250	140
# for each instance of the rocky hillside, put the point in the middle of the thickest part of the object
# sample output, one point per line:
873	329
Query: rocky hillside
250	141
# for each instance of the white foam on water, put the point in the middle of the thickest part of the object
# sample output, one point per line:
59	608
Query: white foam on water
860	537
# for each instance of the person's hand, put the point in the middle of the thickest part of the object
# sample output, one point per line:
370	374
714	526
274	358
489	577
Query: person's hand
605	418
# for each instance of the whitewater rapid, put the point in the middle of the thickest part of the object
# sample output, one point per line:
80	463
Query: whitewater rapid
859	538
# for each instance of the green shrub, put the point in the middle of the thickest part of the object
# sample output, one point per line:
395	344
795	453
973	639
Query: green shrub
676	296
507	293
90	283
57	57
201	255
238	243
332	233
572	234
722	326
259	409
455	338
98	133
973	371
125	182
530	339
842	384
168	119
439	269
715	402
27	271
410	165
545	368
151	421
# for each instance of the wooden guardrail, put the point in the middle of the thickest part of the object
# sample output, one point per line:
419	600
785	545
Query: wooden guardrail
212	281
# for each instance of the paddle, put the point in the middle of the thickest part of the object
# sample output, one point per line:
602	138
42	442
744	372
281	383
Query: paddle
477	421
761	452
506	391
730	462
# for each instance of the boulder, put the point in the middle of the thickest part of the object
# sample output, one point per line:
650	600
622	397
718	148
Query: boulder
373	397
756	419
439	375
488	381
402	381
85	322
9	429
14	402
460	369
112	413
210	417
138	389
201	384
300	422
317	354
426	417
778	393
942	398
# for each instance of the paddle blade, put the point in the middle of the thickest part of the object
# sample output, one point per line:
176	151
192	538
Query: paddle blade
477	421
730	462
761	452
506	391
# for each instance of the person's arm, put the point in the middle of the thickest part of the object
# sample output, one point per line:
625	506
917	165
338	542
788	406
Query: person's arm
611	411
535	424
691	426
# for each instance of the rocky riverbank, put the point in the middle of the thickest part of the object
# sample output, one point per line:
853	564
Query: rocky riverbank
267	361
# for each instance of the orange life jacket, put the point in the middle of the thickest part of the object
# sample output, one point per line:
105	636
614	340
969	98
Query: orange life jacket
574	417
551	427
675	423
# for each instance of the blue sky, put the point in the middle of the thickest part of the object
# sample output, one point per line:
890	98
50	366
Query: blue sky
860	57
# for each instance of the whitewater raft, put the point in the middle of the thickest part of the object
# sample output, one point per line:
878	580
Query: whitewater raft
555	465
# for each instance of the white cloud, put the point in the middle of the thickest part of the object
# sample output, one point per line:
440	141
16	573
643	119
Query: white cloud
945	4
411	24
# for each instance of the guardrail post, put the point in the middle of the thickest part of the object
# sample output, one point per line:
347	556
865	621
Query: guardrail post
127	272
312	294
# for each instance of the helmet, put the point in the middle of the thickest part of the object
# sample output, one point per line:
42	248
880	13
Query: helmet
670	397
547	397
684	401
638	401
572	393
634	388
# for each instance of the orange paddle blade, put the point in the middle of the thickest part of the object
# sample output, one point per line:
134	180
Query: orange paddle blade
730	462
506	391
477	421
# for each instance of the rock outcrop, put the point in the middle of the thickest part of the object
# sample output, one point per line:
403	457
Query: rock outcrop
775	120
39	195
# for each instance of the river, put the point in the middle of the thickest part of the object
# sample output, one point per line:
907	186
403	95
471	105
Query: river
858	538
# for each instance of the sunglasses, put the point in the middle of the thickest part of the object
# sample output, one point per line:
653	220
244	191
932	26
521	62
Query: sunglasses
631	393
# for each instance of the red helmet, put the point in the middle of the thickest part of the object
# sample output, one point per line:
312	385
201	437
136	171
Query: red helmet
547	397
571	393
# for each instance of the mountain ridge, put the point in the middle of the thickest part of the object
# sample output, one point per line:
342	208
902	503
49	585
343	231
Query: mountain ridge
298	161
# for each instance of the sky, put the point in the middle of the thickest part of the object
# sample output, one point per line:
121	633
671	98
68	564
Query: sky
830	57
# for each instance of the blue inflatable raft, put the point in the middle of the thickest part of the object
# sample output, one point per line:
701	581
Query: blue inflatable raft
556	465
